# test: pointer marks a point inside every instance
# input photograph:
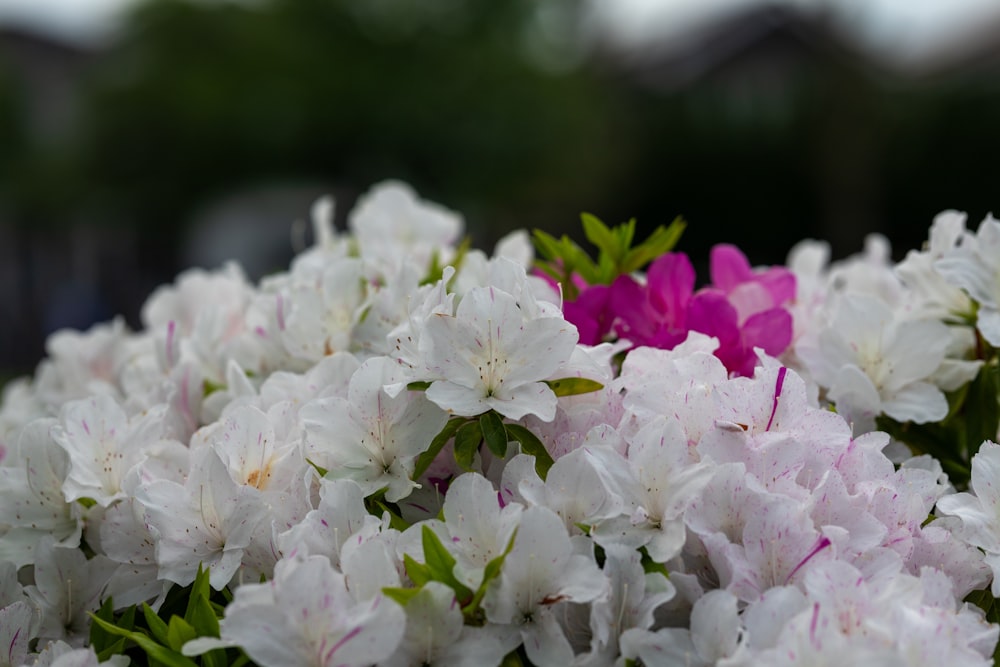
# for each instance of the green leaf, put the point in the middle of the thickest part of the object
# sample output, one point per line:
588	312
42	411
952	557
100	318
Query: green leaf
934	439
491	572
513	659
650	566
208	387
179	632
418	573
494	433
201	615
442	565
99	637
426	458
156	625
601	236
982	409
319	469
155	651
115	648
467	441
216	658
377	506
401	595
530	444
418	386
573	386
199	612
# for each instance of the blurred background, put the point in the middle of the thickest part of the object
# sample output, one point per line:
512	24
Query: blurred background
142	137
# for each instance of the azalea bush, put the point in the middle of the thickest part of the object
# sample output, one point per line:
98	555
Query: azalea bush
407	451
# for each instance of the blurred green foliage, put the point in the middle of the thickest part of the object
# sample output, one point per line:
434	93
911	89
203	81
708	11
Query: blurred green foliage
493	109
198	98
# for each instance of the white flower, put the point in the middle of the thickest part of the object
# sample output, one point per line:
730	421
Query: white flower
657	482
306	617
317	313
16	621
371	437
633	599
61	654
539	574
67	586
980	513
874	362
31	486
476	528
436	635
208	521
394	228
975	267
324	530
489	356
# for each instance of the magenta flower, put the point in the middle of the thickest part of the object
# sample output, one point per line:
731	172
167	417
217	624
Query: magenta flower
591	313
655	314
749	291
743	308
711	313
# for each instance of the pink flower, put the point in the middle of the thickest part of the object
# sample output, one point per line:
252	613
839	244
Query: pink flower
591	313
743	308
749	291
655	314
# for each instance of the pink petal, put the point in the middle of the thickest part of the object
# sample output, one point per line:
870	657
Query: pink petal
728	267
671	283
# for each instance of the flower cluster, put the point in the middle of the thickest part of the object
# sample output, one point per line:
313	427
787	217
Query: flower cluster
403	451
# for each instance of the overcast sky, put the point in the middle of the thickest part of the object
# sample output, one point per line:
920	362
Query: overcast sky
906	27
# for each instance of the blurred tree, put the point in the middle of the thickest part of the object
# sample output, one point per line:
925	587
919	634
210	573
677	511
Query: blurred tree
199	98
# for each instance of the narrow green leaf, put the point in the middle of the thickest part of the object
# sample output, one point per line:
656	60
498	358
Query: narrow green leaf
321	471
467	441
982	409
494	433
99	637
377	506
600	235
401	595
418	386
244	659
418	573
530	444
940	442
546	244
442	564
179	632
127	618
154	650
201	615
649	565
491	572
208	387
437	444
660	242
215	658
512	659
114	648
627	233
573	386
156	625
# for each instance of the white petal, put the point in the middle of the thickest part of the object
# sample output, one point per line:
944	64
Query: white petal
919	402
988	324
